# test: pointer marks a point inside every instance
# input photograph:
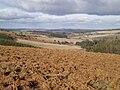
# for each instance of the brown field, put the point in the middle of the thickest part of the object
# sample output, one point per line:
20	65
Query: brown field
96	34
45	69
109	32
53	39
74	37
48	45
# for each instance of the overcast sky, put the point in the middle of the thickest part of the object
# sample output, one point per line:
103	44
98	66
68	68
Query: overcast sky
60	14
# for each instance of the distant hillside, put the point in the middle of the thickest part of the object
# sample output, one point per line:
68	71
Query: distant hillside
58	30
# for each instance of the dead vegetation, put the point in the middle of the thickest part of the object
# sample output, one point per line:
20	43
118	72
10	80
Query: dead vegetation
45	69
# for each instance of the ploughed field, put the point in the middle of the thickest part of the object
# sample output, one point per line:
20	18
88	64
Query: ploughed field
45	69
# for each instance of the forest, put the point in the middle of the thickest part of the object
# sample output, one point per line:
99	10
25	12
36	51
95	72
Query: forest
103	45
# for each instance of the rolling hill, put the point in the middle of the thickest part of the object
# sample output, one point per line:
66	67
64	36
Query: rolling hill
24	68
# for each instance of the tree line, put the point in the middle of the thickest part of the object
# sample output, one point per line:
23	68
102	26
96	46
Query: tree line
104	46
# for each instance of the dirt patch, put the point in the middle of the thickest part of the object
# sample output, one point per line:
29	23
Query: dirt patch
45	69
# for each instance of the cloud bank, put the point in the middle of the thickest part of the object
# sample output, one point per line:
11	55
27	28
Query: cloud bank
100	7
60	13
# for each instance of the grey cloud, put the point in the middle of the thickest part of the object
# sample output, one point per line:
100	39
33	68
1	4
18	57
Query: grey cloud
60	13
10	14
61	7
41	20
45	6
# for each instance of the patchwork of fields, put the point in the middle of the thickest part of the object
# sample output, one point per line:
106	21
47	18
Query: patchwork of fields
49	45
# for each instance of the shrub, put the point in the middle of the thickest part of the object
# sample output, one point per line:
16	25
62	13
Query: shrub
104	46
9	41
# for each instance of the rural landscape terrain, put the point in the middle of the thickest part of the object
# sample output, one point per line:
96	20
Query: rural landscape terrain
105	41
59	44
51	60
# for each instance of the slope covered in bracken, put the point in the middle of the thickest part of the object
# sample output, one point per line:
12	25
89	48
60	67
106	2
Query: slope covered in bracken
45	69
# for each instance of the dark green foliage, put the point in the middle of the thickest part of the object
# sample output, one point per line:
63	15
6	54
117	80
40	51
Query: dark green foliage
118	33
59	35
3	36
9	41
12	43
65	42
104	46
83	44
